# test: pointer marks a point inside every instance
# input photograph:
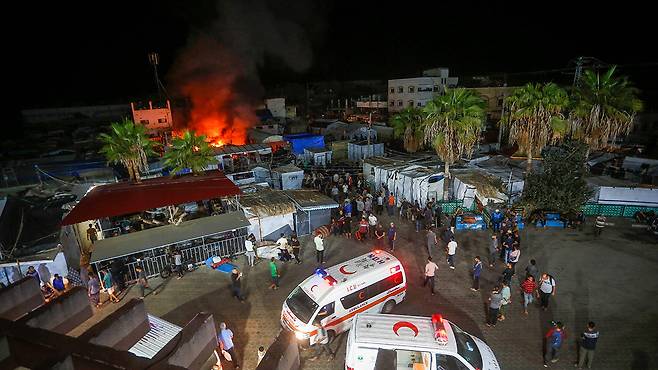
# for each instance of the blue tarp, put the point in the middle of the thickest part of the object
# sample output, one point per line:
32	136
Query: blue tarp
299	142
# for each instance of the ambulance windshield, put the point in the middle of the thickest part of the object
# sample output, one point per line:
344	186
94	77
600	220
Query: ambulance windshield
467	348
301	305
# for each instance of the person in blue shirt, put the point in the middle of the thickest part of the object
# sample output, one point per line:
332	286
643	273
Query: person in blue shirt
392	236
588	341
58	283
477	270
225	338
496	219
554	339
347	208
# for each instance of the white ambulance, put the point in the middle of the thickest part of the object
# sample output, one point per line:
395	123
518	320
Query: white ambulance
379	341
374	282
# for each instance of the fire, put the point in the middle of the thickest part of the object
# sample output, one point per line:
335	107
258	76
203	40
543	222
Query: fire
222	107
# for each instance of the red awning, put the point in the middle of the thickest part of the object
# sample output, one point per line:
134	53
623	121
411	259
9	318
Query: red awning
126	197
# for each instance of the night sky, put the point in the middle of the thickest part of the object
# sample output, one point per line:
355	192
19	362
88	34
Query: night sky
68	54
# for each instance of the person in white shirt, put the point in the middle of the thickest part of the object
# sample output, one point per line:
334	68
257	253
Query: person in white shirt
319	248
452	249
336	178
430	271
546	289
285	249
261	353
178	262
372	222
249	247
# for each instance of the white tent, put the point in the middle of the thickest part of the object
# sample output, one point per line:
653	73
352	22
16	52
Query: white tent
287	177
269	213
470	184
418	184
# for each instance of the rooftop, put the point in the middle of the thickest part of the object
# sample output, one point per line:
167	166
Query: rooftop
310	200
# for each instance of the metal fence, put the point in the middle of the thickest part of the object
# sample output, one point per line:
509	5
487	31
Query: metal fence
155	260
614	210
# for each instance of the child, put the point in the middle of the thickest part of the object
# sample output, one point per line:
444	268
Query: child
261	354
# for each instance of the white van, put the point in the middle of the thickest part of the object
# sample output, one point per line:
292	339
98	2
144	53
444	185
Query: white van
411	342
374	282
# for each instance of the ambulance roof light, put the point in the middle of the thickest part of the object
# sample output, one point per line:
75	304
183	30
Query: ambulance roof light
395	269
321	272
440	333
377	251
330	280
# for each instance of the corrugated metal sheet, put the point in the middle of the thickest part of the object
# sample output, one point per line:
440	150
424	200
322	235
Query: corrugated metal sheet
161	333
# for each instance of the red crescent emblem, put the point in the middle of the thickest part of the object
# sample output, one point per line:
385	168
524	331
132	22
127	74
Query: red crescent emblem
313	287
345	272
405	324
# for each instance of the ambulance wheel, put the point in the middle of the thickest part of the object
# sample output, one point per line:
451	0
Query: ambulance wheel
388	307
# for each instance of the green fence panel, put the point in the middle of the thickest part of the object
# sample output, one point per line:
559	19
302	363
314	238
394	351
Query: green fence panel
614	210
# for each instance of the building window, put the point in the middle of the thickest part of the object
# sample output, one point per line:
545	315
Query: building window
400	89
411	89
411	103
399	103
436	88
144	121
419	104
162	120
392	104
392	90
500	102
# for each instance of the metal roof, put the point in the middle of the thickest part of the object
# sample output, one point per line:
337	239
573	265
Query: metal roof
399	331
161	332
234	149
311	200
124	198
127	244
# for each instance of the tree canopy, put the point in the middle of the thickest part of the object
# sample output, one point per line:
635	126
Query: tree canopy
189	151
127	144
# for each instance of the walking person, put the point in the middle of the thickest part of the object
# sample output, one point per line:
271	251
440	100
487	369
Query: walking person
547	289
249	247
143	282
380	204
507	274
554	339
274	273
495	301
236	284
506	293
372	224
493	250
528	288
322	343
363	229
588	340
431	241
496	220
477	270
108	285
226	343
452	249
178	263
532	270
296	247
514	258
319	248
599	224
93	291
392	237
92	234
379	237
430	271
391	205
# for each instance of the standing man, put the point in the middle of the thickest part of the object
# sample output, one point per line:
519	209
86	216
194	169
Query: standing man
372	223
392	236
274	273
546	289
380	203
496	219
495	301
430	271
282	242
477	270
143	282
319	249
431	240
363	229
178	262
108	285
360	207
296	247
249	247
92	234
588	341
506	292
532	270
322	343
391	205
599	225
236	284
347	208
93	291
493	250
554	339
226	342
452	249
379	237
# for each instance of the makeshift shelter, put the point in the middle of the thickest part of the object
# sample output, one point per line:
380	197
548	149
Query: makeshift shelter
313	210
318	156
509	172
362	150
287	177
418	184
339	150
350	131
299	142
46	263
269	212
471	184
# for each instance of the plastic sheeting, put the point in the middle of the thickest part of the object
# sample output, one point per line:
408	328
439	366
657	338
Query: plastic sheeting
299	142
628	196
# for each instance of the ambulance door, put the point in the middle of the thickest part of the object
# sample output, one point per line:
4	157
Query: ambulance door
327	315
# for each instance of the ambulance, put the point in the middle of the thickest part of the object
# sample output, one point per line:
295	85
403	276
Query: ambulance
374	282
378	342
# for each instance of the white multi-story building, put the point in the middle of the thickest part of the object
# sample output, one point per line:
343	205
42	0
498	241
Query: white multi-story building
417	91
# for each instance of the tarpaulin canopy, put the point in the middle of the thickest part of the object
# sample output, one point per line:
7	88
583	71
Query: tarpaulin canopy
299	142
126	197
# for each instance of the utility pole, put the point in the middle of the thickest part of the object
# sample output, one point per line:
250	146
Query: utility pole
154	60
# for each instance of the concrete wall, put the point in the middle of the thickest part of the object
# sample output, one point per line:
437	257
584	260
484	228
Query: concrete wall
63	314
122	328
20	297
197	343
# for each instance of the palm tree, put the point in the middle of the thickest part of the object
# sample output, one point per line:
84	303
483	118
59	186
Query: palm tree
453	123
408	125
604	107
189	151
536	117
128	145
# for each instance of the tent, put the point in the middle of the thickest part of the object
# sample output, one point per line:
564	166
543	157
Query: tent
362	150
299	142
318	156
313	210
418	184
269	212
287	177
469	184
